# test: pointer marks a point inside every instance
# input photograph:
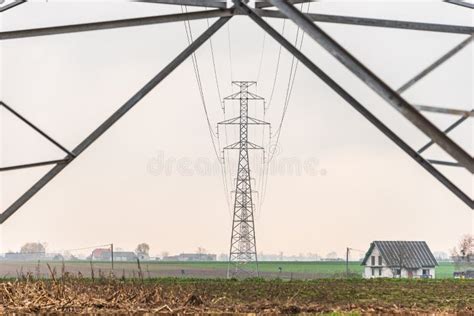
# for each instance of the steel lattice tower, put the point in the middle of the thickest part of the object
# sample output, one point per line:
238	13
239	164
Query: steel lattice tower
243	246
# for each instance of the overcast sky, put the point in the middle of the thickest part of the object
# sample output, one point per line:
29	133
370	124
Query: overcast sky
150	177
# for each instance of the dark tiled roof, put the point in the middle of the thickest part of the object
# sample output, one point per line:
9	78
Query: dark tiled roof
408	254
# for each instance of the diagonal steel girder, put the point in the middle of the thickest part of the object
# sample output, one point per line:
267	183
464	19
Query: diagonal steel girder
352	20
435	65
196	3
99	131
11	5
354	103
462	3
376	84
446	131
36	128
106	25
435	109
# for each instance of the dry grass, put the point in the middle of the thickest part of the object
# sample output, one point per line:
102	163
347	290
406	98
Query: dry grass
107	294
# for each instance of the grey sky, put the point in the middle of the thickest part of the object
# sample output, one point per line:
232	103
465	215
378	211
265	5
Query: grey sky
363	187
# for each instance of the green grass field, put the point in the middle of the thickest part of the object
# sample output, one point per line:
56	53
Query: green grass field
289	270
444	270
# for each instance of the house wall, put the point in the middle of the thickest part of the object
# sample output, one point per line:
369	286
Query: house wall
388	272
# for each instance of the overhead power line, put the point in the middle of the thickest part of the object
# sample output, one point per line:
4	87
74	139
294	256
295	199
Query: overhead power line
213	135
189	37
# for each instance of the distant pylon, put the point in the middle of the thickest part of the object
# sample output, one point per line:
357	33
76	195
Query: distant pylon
243	245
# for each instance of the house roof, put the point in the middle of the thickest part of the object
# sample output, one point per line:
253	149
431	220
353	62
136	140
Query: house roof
100	252
408	254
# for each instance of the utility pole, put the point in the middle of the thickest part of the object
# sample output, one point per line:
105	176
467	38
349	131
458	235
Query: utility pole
243	245
347	262
112	255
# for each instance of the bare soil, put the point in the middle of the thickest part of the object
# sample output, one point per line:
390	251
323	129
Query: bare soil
69	294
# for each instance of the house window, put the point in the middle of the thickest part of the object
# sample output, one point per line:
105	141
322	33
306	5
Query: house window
426	272
373	271
380	260
380	271
372	260
398	271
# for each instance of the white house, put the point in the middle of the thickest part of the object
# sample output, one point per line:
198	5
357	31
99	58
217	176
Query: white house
394	259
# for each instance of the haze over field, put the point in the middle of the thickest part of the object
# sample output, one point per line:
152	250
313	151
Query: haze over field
336	180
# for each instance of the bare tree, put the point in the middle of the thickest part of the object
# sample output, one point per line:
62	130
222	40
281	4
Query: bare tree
401	261
33	247
143	249
201	250
463	254
332	255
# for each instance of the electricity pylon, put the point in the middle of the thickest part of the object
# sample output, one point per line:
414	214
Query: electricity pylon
243	245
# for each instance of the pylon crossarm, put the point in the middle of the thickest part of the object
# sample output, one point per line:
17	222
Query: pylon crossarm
106	25
117	115
194	3
376	84
352	20
259	4
233	96
354	103
254	96
232	121
251	146
254	121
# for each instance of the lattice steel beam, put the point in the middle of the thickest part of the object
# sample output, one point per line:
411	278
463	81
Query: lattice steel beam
99	131
435	64
197	3
355	104
11	5
435	109
36	128
444	163
447	130
35	164
94	26
259	4
352	20
462	3
376	84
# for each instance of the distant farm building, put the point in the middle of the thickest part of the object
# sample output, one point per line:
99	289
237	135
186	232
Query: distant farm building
125	256
106	255
19	256
399	259
101	255
191	257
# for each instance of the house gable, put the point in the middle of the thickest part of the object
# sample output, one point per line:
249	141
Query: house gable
410	254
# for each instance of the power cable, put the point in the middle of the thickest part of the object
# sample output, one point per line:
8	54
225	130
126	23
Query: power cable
277	67
289	91
189	37
290	85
